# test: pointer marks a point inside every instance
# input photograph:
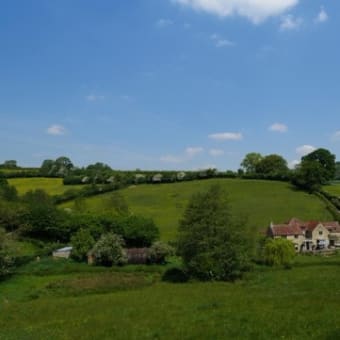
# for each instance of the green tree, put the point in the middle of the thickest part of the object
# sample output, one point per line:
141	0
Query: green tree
279	252
41	217
159	251
272	166
326	160
337	170
109	250
63	166
47	167
315	170
138	231
11	164
7	192
212	244
308	176
250	162
82	242
6	260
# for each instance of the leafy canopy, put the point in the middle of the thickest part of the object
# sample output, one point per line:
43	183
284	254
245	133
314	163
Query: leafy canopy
109	250
315	170
212	244
278	252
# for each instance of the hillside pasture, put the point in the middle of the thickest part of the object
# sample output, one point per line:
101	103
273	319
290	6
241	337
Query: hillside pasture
301	303
258	202
53	186
333	189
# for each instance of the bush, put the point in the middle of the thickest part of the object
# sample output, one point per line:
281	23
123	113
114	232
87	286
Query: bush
279	252
81	242
175	275
109	250
159	251
138	231
6	261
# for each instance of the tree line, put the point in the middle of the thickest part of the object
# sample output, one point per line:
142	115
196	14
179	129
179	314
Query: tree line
315	169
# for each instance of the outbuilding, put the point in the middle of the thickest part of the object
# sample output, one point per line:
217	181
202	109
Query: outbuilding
62	252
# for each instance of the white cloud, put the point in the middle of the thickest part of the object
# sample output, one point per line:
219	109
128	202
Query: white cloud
322	16
161	23
93	97
171	159
289	23
220	42
56	130
193	151
189	153
255	10
126	97
223	43
278	127
216	152
221	136
336	136
305	150
293	164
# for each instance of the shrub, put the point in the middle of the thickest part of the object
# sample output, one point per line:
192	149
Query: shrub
81	242
109	250
138	231
159	251
175	275
6	261
278	252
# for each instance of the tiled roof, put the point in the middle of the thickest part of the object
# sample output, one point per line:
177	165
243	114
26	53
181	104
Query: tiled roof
286	230
297	227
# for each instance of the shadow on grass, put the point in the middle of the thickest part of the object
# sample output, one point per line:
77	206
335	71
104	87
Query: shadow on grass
317	264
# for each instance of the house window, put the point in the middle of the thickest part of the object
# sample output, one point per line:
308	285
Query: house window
296	236
320	232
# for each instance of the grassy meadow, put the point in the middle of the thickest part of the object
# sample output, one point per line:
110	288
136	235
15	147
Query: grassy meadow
258	201
61	300
333	189
53	186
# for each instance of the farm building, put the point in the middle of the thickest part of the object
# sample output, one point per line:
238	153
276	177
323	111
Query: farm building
62	253
134	256
137	255
307	236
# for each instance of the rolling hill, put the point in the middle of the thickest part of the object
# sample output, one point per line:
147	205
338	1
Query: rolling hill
259	202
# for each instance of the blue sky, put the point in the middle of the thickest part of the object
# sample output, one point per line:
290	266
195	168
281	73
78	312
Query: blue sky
168	84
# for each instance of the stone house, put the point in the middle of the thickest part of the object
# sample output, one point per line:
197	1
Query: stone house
307	236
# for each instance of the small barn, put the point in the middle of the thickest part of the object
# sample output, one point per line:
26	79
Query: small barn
157	178
62	252
137	255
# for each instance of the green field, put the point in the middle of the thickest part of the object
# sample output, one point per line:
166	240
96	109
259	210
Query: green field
67	300
53	186
333	189
77	301
260	202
